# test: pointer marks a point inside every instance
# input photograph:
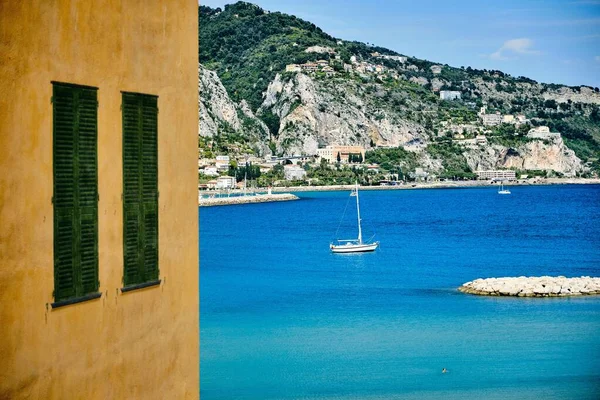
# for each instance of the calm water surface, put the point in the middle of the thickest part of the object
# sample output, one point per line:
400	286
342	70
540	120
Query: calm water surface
283	318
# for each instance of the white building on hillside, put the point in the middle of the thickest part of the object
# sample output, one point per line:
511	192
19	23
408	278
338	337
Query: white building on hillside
491	119
222	163
293	68
294	172
436	69
225	182
450	94
542	132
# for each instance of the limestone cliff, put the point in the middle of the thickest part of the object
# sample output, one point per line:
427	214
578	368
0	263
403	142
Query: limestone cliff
218	114
317	112
551	154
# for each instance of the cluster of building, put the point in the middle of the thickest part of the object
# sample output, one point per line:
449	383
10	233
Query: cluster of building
400	59
219	166
355	65
320	65
497	118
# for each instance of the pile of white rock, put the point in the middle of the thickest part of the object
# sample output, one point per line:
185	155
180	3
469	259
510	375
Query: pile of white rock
542	286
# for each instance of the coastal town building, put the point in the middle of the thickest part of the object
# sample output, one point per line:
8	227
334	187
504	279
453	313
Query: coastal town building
330	153
420	174
401	59
98	273
542	132
491	119
481	139
210	171
328	71
222	163
449	95
508	119
319	49
225	182
505	174
293	172
293	68
436	69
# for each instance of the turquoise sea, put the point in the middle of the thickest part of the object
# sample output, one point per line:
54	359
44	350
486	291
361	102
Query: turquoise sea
283	318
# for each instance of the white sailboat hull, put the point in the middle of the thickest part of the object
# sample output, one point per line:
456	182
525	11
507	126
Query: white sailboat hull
354	247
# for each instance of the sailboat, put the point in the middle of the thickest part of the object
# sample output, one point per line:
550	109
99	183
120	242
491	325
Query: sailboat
354	245
502	190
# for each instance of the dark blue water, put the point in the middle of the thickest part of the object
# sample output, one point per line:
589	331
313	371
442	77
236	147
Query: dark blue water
283	318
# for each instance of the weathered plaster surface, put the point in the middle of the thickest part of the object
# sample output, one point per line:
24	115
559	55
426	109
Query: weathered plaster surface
142	344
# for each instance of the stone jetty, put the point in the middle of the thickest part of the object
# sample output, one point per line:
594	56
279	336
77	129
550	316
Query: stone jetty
542	286
261	198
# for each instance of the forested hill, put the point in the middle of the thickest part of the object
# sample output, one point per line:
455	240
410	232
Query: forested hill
247	46
375	97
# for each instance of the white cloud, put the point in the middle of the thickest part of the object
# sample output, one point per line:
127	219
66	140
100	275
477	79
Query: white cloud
514	47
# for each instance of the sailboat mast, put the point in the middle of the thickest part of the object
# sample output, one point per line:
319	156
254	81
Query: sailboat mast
358	212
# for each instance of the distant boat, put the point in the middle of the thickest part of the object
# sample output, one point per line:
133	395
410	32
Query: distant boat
502	190
354	245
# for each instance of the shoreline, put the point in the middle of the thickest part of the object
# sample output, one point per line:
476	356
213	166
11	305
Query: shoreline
443	185
422	185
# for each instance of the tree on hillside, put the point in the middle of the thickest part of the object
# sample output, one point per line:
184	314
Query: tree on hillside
339	158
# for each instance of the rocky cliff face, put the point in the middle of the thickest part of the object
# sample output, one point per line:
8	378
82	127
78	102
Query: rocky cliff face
317	112
218	114
536	154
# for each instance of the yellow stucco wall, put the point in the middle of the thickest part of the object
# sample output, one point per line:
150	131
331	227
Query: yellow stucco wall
140	344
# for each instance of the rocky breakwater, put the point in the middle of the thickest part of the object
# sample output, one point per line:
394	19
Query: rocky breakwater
261	198
543	286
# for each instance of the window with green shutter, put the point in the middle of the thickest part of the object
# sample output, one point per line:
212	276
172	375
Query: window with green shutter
75	197
140	189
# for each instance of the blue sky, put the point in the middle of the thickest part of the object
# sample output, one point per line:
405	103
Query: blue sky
551	41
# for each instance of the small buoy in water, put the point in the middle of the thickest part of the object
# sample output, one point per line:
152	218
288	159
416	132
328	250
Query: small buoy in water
444	370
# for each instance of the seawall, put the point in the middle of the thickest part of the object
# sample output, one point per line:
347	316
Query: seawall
543	286
262	198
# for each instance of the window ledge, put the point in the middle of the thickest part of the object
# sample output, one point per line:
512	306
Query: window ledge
140	286
76	300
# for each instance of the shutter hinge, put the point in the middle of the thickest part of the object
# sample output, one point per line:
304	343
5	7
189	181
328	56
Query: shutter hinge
52	200
157	195
51	99
97	196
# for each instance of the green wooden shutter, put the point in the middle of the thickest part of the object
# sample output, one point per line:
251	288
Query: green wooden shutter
150	187
131	188
88	189
140	188
75	191
64	191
